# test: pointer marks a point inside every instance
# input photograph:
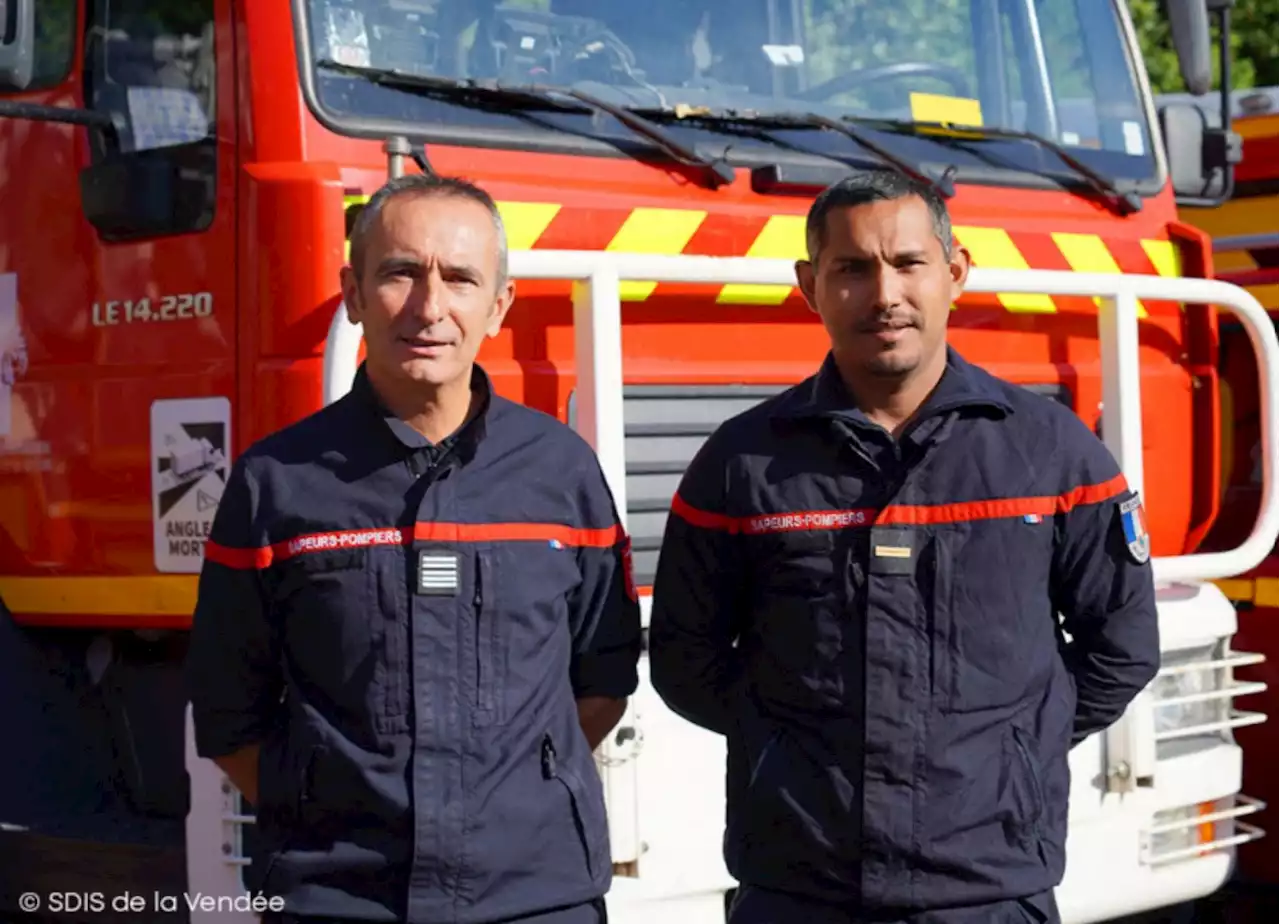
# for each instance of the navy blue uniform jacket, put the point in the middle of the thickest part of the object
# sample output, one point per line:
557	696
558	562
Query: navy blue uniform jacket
405	630
874	627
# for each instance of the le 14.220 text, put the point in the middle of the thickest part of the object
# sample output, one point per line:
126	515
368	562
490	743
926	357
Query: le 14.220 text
184	307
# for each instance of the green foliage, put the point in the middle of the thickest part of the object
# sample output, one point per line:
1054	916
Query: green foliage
1254	26
1254	56
55	37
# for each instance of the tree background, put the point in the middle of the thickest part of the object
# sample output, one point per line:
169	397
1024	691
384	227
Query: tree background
1254	56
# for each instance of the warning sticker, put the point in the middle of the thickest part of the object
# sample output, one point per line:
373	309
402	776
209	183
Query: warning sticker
190	460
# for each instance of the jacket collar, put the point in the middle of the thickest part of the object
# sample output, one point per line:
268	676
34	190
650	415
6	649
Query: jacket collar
824	393
470	433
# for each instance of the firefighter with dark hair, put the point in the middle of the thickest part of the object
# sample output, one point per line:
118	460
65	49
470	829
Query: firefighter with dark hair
865	586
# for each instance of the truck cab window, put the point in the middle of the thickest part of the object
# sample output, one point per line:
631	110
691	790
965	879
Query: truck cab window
152	67
1057	68
55	42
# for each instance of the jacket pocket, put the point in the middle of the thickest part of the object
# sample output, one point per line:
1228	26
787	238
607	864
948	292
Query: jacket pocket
761	759
1027	792
490	655
517	604
1003	628
287	812
758	746
804	593
787	779
1040	908
308	799
592	833
335	630
285	790
276	806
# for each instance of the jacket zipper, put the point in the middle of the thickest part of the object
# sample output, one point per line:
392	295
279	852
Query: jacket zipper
1033	778
548	757
483	655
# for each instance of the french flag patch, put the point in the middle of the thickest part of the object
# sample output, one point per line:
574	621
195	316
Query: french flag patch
1133	519
1032	518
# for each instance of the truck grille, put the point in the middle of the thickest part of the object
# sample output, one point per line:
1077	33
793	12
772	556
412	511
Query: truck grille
665	426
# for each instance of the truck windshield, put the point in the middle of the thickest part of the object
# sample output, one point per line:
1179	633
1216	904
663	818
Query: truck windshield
1060	69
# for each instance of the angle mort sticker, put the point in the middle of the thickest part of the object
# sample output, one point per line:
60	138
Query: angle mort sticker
190	460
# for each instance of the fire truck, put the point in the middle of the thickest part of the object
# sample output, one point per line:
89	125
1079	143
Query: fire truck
1244	230
177	181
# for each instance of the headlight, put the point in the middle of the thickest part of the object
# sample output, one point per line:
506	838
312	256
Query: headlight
1193	694
1180	687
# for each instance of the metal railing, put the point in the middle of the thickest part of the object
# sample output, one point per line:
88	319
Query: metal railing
1222	689
1189	823
597	319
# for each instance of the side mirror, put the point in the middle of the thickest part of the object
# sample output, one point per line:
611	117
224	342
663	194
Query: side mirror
17	43
1189	29
1183	127
129	195
1200	156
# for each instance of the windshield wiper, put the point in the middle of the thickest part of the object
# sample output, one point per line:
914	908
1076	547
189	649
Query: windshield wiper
716	172
1124	203
943	184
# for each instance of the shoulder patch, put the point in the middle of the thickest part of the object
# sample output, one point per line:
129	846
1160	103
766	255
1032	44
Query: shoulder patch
1133	519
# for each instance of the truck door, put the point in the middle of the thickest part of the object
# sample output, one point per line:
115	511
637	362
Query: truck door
117	272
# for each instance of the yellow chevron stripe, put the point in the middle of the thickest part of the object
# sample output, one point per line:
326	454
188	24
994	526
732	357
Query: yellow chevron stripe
781	238
654	231
1167	260
993	248
1165	257
668	231
347	202
1086	253
526	221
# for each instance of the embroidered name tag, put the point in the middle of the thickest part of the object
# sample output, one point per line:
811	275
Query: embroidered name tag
438	573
